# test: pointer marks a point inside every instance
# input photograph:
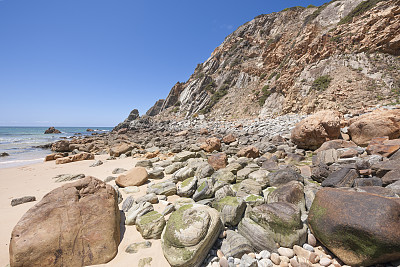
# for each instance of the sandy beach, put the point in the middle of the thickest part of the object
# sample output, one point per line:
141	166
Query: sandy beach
37	180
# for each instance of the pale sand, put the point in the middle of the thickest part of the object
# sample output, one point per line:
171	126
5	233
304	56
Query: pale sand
36	180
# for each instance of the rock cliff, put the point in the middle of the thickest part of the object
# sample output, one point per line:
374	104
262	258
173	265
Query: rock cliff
343	55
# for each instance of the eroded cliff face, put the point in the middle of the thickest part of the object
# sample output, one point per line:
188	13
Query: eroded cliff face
343	55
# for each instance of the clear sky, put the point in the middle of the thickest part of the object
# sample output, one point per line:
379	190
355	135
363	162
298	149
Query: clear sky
90	62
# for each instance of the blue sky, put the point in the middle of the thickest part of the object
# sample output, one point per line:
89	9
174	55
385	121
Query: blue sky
90	62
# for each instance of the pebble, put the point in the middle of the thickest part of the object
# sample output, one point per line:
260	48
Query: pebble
294	262
308	247
131	189
311	240
265	263
223	262
284	259
253	255
220	254
265	254
222	235
325	261
275	258
288	252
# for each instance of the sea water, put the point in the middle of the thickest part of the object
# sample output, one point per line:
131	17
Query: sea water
21	143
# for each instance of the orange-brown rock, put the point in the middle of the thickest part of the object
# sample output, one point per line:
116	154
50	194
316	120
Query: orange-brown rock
150	155
211	144
120	149
203	131
230	138
61	146
76	157
375	124
54	156
316	129
249	152
218	160
74	225
182	133
383	146
52	130
134	177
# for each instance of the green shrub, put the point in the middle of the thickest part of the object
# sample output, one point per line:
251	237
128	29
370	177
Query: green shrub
310	6
265	94
359	10
321	83
272	75
262	76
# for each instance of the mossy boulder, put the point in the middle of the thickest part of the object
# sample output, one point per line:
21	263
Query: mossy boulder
231	209
204	190
187	187
282	220
360	228
258	237
189	235
254	200
151	225
167	188
224	176
292	192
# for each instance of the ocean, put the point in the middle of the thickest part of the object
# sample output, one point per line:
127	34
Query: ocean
21	143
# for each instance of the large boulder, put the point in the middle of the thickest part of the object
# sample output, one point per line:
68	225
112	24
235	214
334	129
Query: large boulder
231	209
359	228
235	245
73	225
189	235
77	157
316	129
120	149
134	177
258	237
61	146
375	124
151	225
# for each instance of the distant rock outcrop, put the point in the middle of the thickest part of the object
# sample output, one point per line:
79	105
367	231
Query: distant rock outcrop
125	124
52	130
154	110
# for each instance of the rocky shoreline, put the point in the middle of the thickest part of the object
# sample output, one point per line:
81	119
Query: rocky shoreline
290	191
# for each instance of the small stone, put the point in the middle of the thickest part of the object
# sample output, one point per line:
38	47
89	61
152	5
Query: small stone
253	255
222	235
265	254
325	261
288	252
145	262
308	247
275	258
127	204
294	262
118	170
134	247
109	179
220	254
131	189
22	200
96	163
265	263
311	240
223	262
247	261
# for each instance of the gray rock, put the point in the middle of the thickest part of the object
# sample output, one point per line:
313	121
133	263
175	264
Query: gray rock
68	177
292	192
183	174
259	238
224	176
167	188
189	235
144	163
109	179
235	245
283	176
151	225
204	170
224	191
231	210
244	173
248	187
320	172
118	170
260	176
131	189
234	167
283	222
22	200
254	200
168	209
187	187
156	173
127	204
395	187
184	156
118	194
204	190
135	247
247	261
327	157
342	178
374	181
136	211
149	197
173	167
96	163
